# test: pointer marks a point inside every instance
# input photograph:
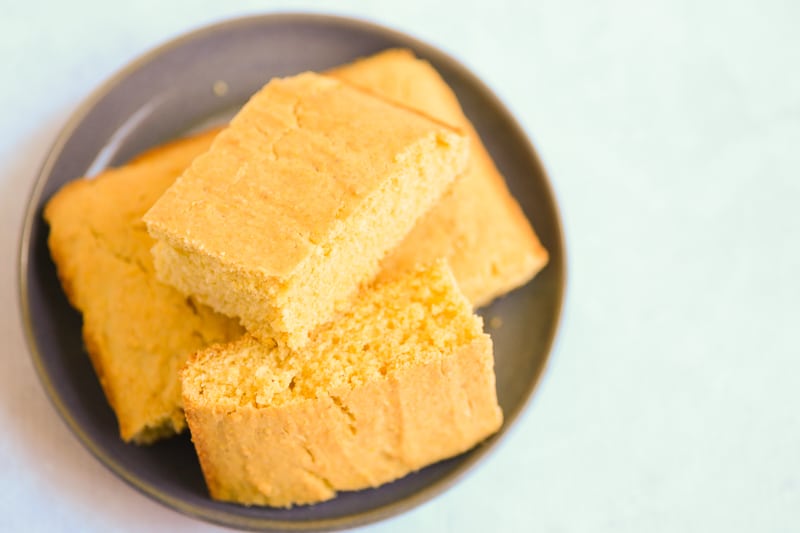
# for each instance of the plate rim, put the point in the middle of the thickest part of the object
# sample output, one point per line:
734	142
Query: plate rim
208	514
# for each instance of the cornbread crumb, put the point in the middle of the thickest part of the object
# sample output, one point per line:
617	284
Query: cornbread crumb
220	88
298	200
402	379
496	322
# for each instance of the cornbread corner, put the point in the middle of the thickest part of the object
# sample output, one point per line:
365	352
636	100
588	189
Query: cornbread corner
298	200
477	225
138	332
402	379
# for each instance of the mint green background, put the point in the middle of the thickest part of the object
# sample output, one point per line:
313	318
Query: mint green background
671	133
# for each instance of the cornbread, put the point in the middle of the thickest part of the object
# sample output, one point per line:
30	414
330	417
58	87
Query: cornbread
400	380
137	331
298	200
477	225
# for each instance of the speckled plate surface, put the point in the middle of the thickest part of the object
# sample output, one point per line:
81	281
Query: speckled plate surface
201	78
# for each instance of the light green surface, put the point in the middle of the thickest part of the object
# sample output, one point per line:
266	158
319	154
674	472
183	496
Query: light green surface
671	132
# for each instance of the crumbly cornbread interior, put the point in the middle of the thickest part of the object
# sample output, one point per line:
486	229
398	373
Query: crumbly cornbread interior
408	322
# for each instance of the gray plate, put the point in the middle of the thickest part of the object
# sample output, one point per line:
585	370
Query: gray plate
169	92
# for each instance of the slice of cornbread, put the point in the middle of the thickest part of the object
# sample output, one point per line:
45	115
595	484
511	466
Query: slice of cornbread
298	200
477	225
400	380
137	331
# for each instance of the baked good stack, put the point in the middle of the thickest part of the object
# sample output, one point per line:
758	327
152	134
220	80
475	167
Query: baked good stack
337	219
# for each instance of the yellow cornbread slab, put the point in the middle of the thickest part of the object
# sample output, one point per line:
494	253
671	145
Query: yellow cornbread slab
478	226
137	331
400	380
298	200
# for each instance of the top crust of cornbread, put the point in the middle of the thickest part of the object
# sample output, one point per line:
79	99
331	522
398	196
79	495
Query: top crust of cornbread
138	332
477	225
286	174
298	200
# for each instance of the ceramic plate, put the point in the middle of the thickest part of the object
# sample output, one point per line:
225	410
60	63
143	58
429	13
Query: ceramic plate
200	78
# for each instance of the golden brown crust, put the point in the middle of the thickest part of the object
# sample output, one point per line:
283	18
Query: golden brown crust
136	331
478	226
